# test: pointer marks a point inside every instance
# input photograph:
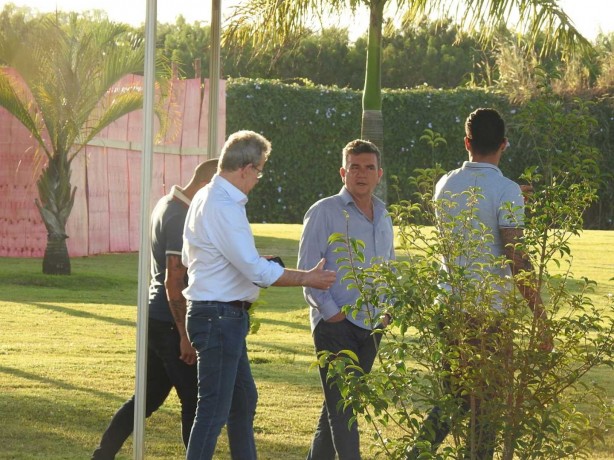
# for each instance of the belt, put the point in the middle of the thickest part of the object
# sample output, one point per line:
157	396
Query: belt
239	304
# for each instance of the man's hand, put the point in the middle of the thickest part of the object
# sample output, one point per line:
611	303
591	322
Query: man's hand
527	191
386	319
319	278
188	353
316	278
336	318
546	341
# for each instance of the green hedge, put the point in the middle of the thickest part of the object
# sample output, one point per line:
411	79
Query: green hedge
309	125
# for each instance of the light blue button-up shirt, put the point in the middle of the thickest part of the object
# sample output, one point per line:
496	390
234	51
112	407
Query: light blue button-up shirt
325	218
496	194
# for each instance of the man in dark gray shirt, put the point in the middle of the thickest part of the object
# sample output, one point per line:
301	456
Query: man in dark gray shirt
171	358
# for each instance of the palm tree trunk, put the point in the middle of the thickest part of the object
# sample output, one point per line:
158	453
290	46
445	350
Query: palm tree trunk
57	197
56	260
372	128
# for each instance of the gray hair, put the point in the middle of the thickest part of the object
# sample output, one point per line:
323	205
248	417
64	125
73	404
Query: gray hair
243	148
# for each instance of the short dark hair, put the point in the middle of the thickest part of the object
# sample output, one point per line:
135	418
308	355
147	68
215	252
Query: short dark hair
205	171
358	146
485	130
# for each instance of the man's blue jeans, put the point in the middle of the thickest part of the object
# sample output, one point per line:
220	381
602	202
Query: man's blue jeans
226	389
332	434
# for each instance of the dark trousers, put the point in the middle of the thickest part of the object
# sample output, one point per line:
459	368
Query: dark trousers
438	424
332	433
164	371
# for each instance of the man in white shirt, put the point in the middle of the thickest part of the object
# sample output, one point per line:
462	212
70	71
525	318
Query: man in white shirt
225	275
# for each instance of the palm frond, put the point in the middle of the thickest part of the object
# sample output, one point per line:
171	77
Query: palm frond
535	18
271	23
17	105
118	105
69	69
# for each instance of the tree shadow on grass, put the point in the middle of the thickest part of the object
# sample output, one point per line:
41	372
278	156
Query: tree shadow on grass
55	383
113	296
66	425
285	324
84	314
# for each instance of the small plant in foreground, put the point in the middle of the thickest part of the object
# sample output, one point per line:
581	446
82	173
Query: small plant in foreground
485	369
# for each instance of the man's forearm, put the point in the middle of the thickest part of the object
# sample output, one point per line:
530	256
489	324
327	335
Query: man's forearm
532	296
178	307
521	265
291	277
178	310
317	277
174	285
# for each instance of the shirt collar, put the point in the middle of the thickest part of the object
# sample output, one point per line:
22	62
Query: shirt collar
480	165
178	194
234	193
347	198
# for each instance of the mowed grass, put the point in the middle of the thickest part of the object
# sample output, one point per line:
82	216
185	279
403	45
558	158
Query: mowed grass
67	354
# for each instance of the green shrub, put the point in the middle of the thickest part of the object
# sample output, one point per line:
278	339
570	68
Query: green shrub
541	402
308	126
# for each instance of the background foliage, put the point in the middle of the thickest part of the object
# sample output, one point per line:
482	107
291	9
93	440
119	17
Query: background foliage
308	126
309	123
433	52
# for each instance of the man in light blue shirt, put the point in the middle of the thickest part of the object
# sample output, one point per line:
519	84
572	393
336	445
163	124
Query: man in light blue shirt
355	210
498	215
225	274
499	211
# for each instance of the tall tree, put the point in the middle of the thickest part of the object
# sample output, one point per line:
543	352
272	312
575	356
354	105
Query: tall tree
66	67
267	23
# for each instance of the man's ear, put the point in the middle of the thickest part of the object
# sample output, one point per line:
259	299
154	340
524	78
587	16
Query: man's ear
342	172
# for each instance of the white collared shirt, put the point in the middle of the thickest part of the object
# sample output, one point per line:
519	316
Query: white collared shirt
219	249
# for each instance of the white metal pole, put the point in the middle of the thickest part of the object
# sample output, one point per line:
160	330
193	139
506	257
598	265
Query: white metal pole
144	250
214	77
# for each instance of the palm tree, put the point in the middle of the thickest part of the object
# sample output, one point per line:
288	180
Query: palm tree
66	69
267	23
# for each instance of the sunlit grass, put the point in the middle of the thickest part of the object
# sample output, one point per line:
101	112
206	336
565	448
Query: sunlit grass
68	347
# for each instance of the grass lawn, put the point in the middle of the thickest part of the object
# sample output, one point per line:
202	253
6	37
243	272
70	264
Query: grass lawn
67	354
